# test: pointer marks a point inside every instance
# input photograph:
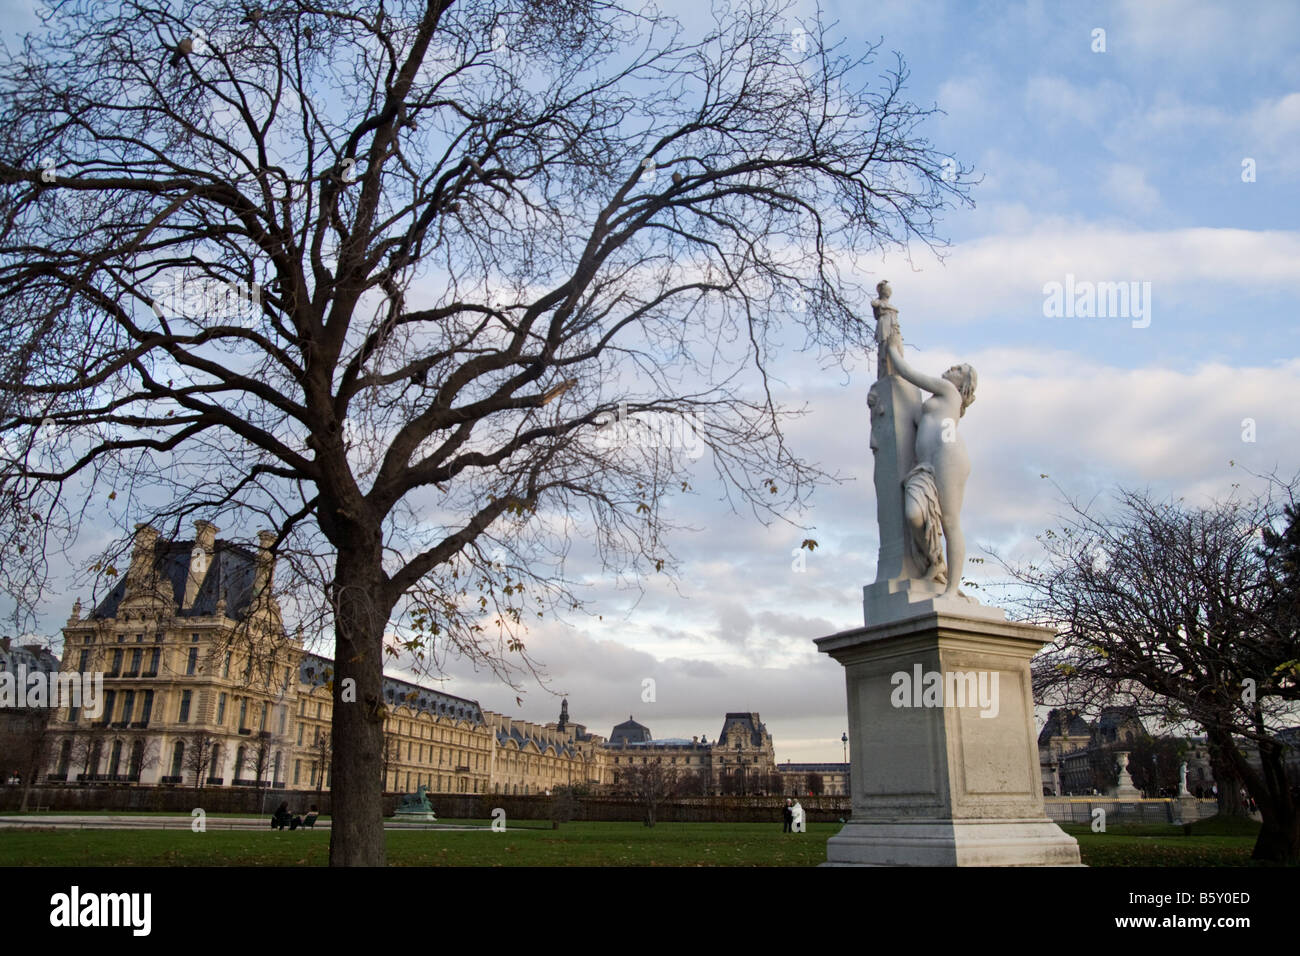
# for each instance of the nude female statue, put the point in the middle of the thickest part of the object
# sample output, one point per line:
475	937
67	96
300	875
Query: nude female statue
934	488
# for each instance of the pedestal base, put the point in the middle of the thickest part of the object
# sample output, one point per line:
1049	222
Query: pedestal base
1028	842
944	764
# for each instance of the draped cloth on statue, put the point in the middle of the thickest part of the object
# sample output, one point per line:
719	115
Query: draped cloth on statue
925	544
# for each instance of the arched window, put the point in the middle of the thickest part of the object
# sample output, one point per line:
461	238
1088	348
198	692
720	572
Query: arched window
241	758
214	767
178	758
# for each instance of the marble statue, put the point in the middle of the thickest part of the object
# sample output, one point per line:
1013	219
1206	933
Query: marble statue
921	464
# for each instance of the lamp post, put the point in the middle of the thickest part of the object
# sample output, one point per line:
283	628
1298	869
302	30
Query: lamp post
844	739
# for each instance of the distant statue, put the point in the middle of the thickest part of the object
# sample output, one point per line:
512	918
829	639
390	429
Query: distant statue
1182	779
417	802
935	485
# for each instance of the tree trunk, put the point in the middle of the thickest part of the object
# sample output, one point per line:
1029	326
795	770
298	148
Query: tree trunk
356	790
1225	776
1279	836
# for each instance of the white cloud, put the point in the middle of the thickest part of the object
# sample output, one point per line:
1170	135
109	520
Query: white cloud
1128	186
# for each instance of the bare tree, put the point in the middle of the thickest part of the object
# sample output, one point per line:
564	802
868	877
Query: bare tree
321	749
650	783
1183	614
199	747
25	748
815	784
418	286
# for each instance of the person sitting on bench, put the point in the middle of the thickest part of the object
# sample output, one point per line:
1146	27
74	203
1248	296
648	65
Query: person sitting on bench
282	817
309	820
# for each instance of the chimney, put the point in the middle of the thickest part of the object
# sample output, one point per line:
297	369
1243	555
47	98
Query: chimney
265	573
205	536
142	552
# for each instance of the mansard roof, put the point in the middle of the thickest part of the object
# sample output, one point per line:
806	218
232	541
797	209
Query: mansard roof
230	576
630	732
748	722
1075	725
316	670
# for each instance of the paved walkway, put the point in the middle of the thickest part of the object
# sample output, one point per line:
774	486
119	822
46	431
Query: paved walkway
61	821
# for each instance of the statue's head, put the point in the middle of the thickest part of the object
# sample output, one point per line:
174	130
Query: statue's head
964	377
882	289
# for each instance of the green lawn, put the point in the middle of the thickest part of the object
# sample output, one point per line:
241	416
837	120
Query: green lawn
575	844
1212	842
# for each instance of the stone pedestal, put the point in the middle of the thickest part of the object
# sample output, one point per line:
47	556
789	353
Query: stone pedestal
944	769
1125	789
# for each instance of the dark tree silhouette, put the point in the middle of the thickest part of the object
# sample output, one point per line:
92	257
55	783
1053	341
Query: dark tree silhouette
419	286
1181	612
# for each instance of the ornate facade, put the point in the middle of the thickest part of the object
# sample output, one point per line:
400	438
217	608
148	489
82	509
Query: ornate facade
204	687
740	761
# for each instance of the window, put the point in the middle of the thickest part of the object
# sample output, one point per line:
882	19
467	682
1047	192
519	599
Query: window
65	757
116	669
137	656
139	638
193	662
194	638
266	707
318	703
128	705
158	638
185	707
86	639
137	759
154	657
110	698
178	758
84	661
297	766
243	713
221	709
147	710
300	729
284	717
225	665
121	638
214	768
115	758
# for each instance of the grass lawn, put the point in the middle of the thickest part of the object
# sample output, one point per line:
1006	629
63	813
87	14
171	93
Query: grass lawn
574	844
1211	843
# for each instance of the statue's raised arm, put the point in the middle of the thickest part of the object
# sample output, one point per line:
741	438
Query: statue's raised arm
935	485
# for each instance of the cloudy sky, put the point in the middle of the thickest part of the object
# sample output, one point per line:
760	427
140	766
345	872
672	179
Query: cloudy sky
1171	158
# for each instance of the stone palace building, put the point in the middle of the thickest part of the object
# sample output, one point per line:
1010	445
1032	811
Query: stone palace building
203	686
